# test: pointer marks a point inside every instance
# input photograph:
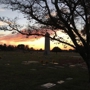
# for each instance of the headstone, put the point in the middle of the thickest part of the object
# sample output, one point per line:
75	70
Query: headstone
48	85
33	69
71	66
47	44
29	62
60	82
69	78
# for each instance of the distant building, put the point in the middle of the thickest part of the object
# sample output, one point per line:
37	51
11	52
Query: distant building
47	44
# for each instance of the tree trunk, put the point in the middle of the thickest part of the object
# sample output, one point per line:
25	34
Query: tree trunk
87	61
88	66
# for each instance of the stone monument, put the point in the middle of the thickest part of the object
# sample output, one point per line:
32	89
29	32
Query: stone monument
47	44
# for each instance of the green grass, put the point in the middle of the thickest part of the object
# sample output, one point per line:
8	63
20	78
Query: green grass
16	76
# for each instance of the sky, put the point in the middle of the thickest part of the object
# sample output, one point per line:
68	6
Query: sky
6	37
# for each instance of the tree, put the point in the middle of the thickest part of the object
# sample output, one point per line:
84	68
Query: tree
21	46
63	15
56	49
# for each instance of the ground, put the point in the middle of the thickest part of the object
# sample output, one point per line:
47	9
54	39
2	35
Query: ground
31	70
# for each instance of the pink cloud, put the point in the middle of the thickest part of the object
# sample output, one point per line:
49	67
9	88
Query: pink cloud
16	38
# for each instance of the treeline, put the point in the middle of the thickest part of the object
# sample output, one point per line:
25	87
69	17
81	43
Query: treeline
57	49
5	47
22	47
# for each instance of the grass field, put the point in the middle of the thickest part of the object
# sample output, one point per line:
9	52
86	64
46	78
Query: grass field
17	75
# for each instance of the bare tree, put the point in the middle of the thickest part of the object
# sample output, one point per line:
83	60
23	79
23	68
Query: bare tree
64	15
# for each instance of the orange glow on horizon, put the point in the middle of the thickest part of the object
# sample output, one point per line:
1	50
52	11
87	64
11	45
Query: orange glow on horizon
36	43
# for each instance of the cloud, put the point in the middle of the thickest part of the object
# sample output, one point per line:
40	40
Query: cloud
2	23
2	10
23	38
41	31
1	35
15	39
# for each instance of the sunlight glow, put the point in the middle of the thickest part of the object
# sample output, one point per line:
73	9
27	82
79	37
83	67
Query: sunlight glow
36	43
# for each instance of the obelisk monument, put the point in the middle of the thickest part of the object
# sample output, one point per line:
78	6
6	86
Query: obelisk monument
47	44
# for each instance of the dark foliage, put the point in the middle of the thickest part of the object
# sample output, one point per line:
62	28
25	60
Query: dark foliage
56	49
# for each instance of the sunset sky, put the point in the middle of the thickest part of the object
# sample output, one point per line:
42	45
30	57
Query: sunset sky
8	38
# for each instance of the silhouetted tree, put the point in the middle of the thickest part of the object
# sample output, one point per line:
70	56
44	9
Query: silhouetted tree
21	46
5	47
56	49
64	15
26	47
1	47
31	49
40	49
10	48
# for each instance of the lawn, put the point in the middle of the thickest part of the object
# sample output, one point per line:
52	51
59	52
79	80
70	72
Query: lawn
17	75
